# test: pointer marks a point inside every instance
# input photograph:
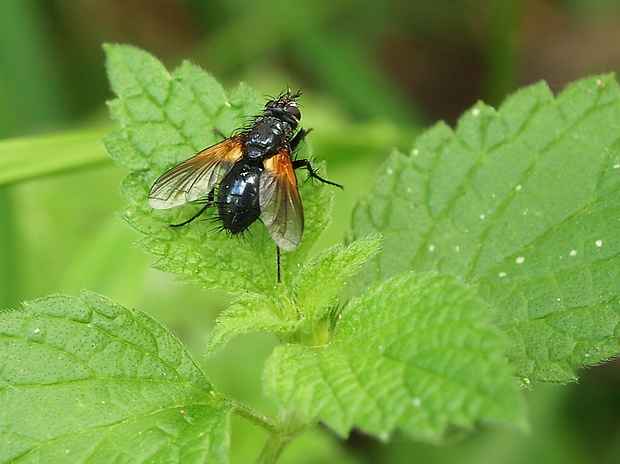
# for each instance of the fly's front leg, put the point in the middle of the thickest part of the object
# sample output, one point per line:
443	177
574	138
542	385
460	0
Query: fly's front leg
304	163
298	138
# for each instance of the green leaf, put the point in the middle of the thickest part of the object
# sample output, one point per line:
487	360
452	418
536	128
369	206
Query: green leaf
251	313
523	204
318	284
414	353
28	158
303	317
166	118
85	379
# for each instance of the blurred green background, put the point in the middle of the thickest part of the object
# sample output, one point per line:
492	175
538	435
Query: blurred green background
374	75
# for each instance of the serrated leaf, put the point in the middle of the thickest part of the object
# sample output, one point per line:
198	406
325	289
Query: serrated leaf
522	204
166	118
315	290
86	380
414	353
252	313
318	284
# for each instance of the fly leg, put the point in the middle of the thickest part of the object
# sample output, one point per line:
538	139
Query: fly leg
210	202
219	133
298	138
304	163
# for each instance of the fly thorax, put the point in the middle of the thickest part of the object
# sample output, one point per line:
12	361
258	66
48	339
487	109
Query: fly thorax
266	138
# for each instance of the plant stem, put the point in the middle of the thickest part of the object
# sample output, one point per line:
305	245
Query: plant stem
256	418
277	439
273	448
279	434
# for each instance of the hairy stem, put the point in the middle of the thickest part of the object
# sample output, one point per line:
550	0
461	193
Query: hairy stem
255	417
275	444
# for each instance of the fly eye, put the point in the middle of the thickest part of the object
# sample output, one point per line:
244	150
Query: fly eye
294	111
270	104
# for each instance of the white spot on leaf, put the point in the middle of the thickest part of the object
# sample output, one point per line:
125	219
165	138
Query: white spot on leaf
520	260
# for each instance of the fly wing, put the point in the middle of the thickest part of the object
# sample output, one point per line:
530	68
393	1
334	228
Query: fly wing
280	204
197	176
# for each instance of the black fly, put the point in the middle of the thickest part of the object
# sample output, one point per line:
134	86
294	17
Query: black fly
252	174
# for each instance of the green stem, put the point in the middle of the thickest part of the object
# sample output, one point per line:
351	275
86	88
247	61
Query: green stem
277	439
273	448
253	416
279	435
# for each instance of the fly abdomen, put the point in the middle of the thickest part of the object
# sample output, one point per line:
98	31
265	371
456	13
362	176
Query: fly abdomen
237	196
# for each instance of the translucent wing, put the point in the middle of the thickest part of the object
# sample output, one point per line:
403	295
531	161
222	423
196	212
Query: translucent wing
281	209
196	177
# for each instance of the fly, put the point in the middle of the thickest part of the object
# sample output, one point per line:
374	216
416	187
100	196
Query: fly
248	176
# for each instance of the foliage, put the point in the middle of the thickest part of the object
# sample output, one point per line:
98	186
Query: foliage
523	204
103	381
496	259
